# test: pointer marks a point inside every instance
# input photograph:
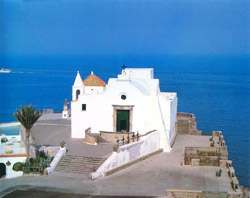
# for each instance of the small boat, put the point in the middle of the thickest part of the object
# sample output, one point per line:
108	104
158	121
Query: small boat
5	70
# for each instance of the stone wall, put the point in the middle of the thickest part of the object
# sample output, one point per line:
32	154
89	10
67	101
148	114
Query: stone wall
201	194
186	124
90	138
207	194
245	191
48	111
183	194
49	150
208	156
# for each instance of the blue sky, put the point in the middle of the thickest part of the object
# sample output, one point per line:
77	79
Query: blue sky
58	27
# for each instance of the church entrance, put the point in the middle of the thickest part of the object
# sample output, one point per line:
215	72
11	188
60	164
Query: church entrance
122	122
122	118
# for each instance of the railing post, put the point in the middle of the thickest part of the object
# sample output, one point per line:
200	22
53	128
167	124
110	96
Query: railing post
133	137
117	141
123	140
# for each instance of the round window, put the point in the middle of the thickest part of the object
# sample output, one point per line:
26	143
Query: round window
123	97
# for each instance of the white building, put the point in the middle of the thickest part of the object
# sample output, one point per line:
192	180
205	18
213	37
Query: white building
131	102
11	152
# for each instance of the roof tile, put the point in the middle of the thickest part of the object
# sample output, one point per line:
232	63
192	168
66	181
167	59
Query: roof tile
93	80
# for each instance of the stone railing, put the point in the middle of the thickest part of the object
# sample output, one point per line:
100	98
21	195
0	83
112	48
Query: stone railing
56	160
90	138
128	154
114	136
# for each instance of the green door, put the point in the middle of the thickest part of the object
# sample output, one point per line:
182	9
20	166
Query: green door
122	121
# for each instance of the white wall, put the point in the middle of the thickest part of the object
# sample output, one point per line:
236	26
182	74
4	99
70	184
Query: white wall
151	111
139	73
92	89
10	173
173	118
127	153
56	160
99	112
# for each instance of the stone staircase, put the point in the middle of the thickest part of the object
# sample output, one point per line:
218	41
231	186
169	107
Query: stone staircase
78	164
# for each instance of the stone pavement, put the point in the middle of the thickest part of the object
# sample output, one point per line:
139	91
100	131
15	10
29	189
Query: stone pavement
52	131
150	177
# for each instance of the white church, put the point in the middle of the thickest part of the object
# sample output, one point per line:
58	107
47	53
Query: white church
132	102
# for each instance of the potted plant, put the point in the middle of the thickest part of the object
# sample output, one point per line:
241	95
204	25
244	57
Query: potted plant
63	144
8	163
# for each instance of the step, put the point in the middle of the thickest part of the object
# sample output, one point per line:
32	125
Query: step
79	164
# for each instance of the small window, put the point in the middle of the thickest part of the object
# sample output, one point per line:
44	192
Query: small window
77	93
83	107
123	97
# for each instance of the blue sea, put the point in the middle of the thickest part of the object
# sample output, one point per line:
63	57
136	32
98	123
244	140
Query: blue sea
215	88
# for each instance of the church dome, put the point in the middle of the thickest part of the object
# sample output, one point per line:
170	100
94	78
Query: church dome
93	80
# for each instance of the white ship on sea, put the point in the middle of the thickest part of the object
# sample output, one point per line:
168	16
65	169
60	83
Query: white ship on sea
5	70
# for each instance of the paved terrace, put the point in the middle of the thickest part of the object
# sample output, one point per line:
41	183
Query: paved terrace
12	148
51	130
150	177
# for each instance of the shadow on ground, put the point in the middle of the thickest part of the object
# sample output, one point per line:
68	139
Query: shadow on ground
49	193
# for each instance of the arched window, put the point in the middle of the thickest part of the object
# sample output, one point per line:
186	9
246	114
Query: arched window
2	170
77	93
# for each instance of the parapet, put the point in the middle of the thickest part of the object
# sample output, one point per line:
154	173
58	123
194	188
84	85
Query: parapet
130	73
186	124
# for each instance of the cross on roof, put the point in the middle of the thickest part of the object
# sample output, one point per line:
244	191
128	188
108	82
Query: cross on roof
123	66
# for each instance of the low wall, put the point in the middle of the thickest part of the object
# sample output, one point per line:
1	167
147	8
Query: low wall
51	151
217	133
90	138
183	194
48	111
56	160
128	153
208	156
10	173
201	194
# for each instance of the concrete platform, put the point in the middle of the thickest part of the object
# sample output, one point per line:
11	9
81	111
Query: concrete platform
51	130
150	177
163	171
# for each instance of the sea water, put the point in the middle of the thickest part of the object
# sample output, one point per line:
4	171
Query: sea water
215	88
10	130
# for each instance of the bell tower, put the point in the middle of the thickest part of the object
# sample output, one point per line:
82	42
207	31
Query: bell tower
78	87
65	113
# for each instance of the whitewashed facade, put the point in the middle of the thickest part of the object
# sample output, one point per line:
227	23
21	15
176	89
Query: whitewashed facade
131	102
11	152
